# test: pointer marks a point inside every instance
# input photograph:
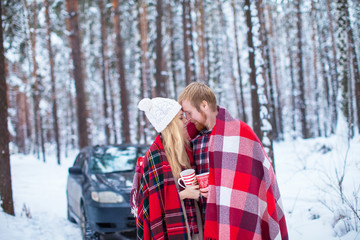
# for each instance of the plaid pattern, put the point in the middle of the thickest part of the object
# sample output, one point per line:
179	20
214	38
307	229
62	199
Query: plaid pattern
244	199
160	215
201	159
134	196
190	203
191	215
200	151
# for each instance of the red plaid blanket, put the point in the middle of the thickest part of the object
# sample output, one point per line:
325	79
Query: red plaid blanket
160	215
244	199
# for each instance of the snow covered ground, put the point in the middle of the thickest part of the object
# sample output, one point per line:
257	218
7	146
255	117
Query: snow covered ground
307	172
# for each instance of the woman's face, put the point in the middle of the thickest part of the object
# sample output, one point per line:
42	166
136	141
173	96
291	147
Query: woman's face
183	121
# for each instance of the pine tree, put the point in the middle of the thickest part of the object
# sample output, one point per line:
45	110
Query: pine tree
253	85
82	113
238	62
104	69
125	123
344	65
53	85
6	199
161	86
300	69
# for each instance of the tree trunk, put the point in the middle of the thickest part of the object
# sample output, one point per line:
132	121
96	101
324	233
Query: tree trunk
324	59
267	113
344	63
125	123
253	85
161	89
278	107
113	112
201	32
146	75
75	40
32	24
20	137
104	63
315	70
229	56
300	68
289	43
267	67
238	62
355	63
42	137
174	68
6	199
190	74
333	70
53	86
144	45
111	79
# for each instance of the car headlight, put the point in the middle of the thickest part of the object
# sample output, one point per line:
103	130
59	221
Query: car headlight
107	197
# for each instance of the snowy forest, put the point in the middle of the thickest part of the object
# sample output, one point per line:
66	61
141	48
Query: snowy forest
73	72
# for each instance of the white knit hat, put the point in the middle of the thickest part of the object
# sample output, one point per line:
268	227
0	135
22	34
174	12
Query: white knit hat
159	111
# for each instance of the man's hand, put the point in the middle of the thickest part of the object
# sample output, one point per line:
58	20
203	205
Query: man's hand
204	192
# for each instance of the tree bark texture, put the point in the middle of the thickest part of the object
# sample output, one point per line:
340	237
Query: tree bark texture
144	45
267	69
238	62
53	82
201	32
6	197
344	64
190	75
267	113
161	86
125	123
173	57
273	39
300	68
253	85
104	68
76	53
32	24
333	69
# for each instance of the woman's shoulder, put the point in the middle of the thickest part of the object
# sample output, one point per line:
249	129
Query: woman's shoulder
155	154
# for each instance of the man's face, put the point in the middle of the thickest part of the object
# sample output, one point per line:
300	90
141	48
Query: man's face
192	114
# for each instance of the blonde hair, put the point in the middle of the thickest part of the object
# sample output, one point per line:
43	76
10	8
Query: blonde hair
174	144
195	93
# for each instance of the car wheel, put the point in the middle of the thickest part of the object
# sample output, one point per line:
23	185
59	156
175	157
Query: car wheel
86	231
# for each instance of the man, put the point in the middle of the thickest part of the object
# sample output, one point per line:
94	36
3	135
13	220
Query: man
243	199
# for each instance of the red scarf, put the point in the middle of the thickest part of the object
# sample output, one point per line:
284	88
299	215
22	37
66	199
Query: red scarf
244	199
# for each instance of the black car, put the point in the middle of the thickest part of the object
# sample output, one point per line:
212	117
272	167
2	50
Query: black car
99	186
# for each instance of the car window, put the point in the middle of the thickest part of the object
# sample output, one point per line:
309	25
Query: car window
106	159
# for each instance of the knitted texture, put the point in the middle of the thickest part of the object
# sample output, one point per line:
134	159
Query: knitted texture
159	111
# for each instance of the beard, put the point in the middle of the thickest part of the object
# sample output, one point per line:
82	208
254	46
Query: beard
201	125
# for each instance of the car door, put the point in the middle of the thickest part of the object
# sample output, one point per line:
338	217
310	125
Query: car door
75	183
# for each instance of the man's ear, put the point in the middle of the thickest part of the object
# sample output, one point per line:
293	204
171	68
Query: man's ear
204	105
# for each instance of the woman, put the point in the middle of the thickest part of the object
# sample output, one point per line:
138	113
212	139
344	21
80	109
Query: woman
162	210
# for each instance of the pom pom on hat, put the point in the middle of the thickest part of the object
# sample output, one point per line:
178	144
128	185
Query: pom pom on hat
159	111
145	104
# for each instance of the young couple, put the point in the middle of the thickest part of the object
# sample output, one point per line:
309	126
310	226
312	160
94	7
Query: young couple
242	200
